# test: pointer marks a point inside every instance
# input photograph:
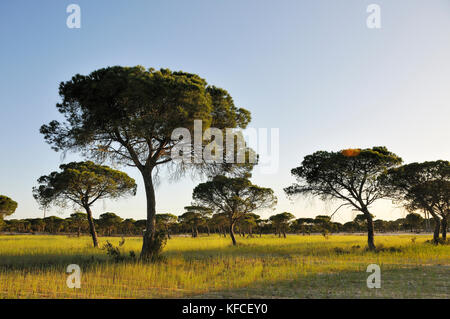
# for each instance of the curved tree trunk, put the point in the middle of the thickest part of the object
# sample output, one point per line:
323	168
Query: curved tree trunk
91	225
437	227
150	226
444	228
370	232
232	233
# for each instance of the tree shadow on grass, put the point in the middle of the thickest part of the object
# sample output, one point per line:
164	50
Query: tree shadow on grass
285	250
404	282
39	262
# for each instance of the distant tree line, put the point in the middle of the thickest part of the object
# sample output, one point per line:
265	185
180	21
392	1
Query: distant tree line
195	223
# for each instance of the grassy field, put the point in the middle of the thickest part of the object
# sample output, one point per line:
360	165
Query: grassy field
209	267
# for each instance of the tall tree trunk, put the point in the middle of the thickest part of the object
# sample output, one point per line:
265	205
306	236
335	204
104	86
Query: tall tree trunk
444	228
91	225
209	232
232	233
437	227
370	232
150	225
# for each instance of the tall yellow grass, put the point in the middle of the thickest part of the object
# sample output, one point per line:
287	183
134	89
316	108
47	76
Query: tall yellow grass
298	266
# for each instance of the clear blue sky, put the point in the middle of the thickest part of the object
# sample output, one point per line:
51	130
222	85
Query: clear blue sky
310	68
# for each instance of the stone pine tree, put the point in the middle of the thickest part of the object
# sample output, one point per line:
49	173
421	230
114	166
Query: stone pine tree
109	222
205	214
192	220
165	221
350	176
249	222
423	187
234	197
281	222
7	206
79	221
128	115
83	184
414	221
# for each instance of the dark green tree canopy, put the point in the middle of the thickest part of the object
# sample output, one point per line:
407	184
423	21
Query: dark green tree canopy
281	218
414	219
128	114
334	175
424	187
166	219
191	218
78	220
82	183
361	219
305	220
7	206
110	219
322	219
219	219
252	218
281	222
421	186
233	196
205	212
78	216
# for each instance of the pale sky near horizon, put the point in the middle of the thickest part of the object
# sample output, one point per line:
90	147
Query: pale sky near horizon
310	68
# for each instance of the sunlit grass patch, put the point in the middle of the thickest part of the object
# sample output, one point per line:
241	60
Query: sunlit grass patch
298	266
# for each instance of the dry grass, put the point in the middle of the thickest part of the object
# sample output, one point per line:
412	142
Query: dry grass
295	267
